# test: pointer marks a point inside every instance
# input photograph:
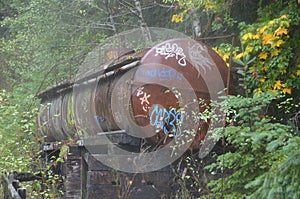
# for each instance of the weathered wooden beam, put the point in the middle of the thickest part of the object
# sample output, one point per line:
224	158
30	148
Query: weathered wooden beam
73	185
16	184
22	192
11	189
25	177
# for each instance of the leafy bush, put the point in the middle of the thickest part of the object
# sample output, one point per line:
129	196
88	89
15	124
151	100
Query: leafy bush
17	135
266	155
260	159
269	47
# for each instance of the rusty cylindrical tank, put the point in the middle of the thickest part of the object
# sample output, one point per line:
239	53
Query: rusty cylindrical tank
150	95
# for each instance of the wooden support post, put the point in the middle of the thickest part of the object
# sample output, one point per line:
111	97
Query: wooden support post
73	166
11	184
22	193
15	184
11	192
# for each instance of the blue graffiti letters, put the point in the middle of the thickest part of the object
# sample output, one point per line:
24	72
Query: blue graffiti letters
163	74
168	120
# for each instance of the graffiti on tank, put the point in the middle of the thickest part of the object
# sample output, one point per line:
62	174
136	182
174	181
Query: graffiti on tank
100	119
103	120
168	120
200	58
163	74
144	99
172	50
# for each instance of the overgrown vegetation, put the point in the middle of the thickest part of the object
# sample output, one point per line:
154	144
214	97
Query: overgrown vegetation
17	134
44	42
260	162
263	119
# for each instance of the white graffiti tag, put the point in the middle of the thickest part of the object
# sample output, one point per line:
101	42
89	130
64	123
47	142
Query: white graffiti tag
144	99
200	57
171	50
140	91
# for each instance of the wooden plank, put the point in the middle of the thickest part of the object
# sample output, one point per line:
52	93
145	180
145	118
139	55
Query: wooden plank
152	184
22	192
147	192
102	191
157	179
100	178
75	150
24	177
115	191
94	164
73	177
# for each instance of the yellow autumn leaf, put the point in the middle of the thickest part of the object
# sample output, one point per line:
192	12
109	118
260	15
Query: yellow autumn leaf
251	69
185	11
247	36
271	22
287	90
283	16
258	91
281	31
210	6
265	68
262	80
256	36
263	55
239	56
267	39
298	73
278	85
179	19
225	57
249	49
275	52
174	18
262	29
277	43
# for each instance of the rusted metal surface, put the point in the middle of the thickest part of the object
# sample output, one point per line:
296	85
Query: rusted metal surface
192	61
67	115
44	120
139	83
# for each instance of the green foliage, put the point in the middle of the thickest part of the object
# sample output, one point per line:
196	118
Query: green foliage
282	180
225	50
51	183
192	181
44	42
270	44
17	135
20	146
205	17
260	159
266	155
